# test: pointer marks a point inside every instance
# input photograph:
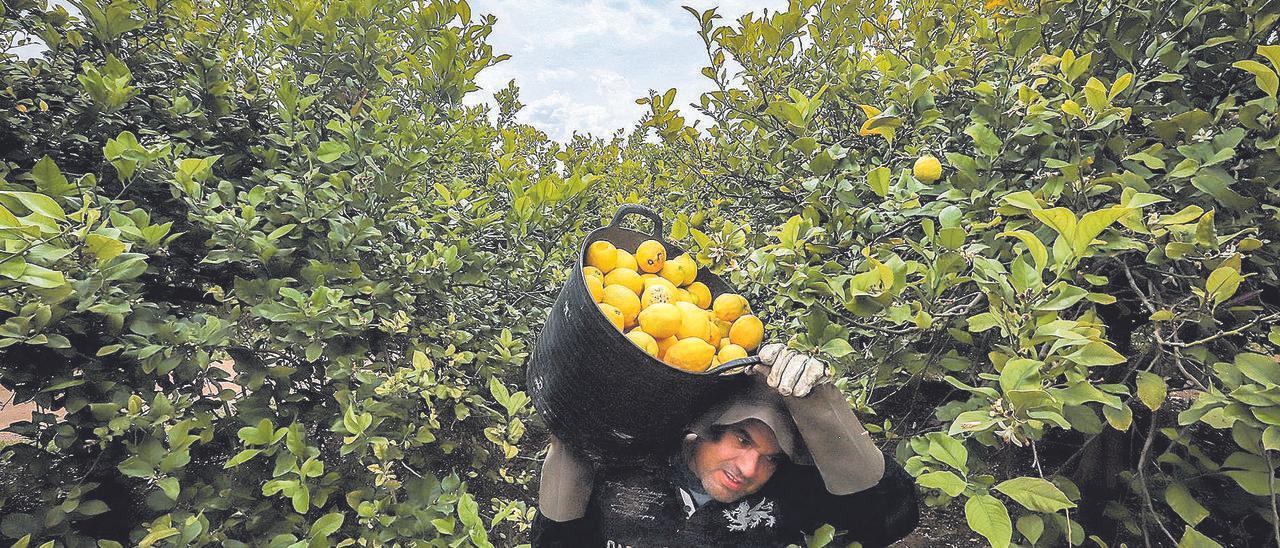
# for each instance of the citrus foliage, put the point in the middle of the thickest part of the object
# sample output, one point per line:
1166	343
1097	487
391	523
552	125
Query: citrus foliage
297	190
1098	240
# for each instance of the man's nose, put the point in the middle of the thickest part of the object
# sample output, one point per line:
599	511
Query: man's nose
748	463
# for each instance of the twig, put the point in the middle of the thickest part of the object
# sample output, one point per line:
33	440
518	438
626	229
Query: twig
1142	480
1271	486
1236	331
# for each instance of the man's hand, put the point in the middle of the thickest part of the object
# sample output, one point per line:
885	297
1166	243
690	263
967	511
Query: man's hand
790	372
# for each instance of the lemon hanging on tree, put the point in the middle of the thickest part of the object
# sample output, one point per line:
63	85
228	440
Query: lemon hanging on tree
927	168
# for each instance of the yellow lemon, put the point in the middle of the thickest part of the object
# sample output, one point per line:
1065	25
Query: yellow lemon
602	255
728	306
651	255
675	272
651	280
683	295
662	320
691	268
656	293
721	326
730	352
625	300
927	168
666	344
701	294
691	355
713	334
625	260
644	341
693	322
625	277
747	332
613	315
596	288
723	343
592	272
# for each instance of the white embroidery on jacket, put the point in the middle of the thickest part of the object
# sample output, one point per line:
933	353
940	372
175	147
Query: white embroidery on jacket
746	516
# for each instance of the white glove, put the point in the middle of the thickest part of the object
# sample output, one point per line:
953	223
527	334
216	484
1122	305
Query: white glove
790	372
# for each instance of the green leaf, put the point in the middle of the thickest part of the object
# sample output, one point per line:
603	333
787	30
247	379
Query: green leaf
1222	284
37	203
104	248
279	232
1092	224
985	139
1151	389
1259	368
171	487
1034	246
92	507
1265	78
327	525
1178	498
1031	526
943	480
822	537
837	348
1060	219
242	457
1096	353
878	180
1035	494
331	150
949	451
1022	199
1193	539
1020	374
988	517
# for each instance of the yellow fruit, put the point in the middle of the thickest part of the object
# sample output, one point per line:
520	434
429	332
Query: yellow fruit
651	280
701	294
625	260
691	355
675	272
644	341
723	343
595	287
731	352
728	306
602	255
662	320
666	344
693	322
713	334
927	168
624	277
592	272
721	326
613	314
651	255
683	295
690	267
747	332
656	293
625	300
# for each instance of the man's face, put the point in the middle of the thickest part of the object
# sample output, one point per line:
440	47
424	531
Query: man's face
739	463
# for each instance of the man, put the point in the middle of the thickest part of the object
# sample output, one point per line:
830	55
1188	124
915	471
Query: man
764	468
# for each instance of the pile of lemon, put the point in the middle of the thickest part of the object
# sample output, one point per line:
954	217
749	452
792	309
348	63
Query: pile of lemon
656	302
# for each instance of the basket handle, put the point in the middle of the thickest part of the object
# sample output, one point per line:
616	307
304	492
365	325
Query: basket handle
727	368
637	209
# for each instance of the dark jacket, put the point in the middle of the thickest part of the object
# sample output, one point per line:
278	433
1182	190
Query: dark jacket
643	507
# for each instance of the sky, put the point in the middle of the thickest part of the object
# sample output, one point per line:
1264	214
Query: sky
581	64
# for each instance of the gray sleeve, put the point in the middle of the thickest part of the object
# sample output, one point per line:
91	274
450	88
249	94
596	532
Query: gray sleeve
847	459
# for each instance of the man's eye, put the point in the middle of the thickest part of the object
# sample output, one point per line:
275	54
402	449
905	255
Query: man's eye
743	440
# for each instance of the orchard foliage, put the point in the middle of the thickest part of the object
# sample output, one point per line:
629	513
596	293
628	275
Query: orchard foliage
1099	251
269	280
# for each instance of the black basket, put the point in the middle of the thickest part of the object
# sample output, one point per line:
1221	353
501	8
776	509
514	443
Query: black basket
599	392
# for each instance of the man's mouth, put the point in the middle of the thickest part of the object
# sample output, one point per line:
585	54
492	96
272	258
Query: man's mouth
731	481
